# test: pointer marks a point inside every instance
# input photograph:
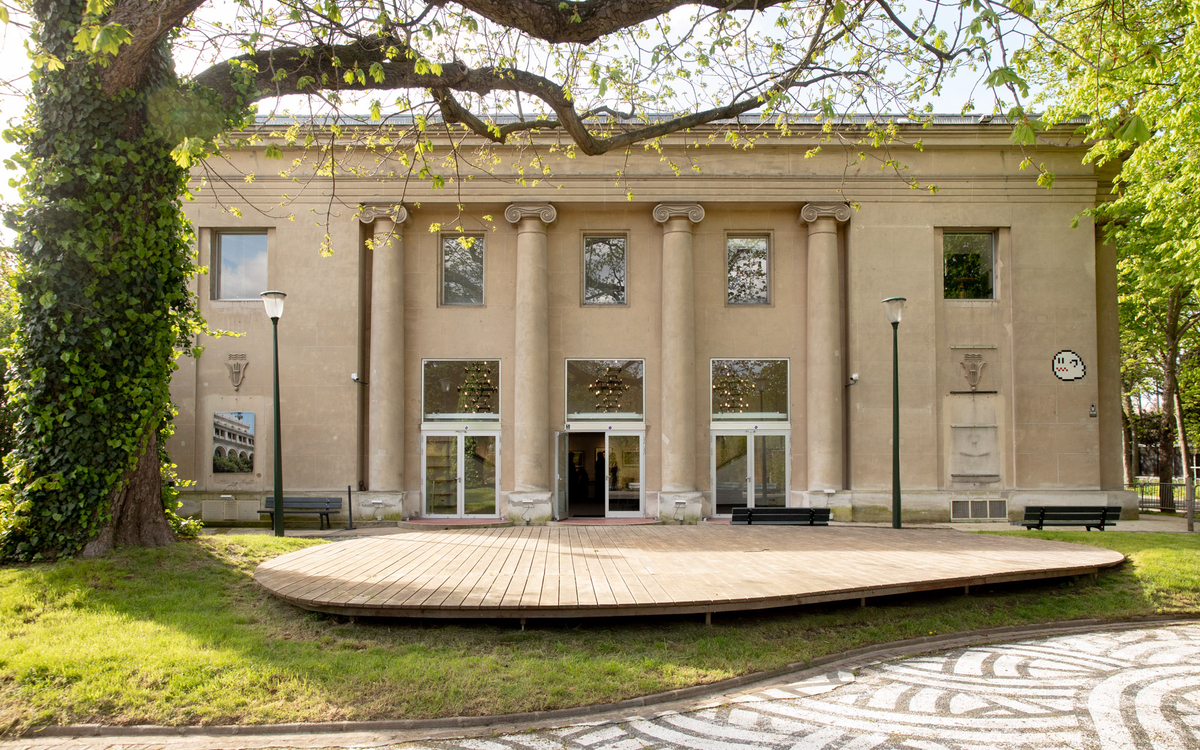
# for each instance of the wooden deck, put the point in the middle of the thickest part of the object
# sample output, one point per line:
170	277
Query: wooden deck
589	571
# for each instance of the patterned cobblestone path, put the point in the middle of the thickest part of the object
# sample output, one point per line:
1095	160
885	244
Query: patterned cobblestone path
1129	690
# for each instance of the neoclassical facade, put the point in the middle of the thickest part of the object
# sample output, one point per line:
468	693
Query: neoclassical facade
669	346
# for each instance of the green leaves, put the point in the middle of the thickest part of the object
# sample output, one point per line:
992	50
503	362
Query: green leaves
1133	130
839	11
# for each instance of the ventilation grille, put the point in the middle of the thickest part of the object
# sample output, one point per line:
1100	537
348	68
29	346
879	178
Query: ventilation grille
978	510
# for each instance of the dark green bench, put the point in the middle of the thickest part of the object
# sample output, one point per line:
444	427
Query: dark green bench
1088	516
781	516
300	506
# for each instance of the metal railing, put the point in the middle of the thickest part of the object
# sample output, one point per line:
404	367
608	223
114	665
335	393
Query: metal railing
1162	496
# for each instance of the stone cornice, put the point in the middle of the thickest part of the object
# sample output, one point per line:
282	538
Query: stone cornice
839	212
372	211
517	211
664	211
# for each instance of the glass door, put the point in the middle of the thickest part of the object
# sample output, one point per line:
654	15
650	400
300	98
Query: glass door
750	469
623	491
462	477
562	470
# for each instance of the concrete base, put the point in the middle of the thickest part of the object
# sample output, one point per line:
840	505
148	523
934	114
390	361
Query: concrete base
681	508
379	506
933	506
530	508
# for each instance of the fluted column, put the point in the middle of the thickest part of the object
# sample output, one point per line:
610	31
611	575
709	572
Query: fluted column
531	386
385	381
825	356
678	347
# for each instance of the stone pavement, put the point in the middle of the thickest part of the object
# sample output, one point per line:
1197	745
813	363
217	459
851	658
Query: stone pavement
1136	689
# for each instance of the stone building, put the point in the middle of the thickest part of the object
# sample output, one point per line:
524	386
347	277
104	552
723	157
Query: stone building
622	340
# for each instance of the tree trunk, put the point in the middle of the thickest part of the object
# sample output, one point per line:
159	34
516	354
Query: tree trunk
1189	480
137	511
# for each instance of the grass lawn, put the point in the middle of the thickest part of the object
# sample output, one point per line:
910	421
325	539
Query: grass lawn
182	636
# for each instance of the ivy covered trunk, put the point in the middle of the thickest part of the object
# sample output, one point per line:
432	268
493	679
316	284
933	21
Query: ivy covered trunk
104	259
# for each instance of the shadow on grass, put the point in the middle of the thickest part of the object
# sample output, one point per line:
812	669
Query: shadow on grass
182	635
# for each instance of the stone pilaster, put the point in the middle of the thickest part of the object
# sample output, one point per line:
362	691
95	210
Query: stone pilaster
531	387
825	355
385	376
678	351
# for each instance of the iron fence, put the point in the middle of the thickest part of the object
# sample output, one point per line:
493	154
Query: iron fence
1162	496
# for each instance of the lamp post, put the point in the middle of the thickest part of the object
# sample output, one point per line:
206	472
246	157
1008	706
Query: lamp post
894	307
273	301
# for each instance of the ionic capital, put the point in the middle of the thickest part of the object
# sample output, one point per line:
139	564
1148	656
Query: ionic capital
517	211
839	212
693	211
372	211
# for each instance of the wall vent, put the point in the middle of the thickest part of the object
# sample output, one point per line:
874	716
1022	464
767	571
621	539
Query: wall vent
988	509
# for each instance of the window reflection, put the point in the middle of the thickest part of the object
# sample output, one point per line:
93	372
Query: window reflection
242	265
458	389
967	270
750	389
747	270
462	270
609	389
604	270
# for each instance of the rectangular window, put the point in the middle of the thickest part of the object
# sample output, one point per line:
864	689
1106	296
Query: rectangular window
233	442
968	262
240	262
461	390
604	270
749	389
747	271
462	270
609	389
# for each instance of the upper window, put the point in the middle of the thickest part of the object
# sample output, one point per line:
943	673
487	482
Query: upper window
605	389
458	389
750	389
462	270
241	265
968	261
747	271
604	270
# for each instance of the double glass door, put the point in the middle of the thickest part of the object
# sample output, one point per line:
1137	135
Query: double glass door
749	470
462	477
599	474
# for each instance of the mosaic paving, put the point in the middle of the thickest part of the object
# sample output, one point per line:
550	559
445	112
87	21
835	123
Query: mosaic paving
1133	690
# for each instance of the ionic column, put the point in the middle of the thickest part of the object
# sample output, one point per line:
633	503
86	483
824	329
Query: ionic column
678	347
824	314
385	381
531	373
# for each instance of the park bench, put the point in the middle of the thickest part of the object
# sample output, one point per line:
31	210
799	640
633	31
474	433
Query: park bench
1088	516
311	506
781	516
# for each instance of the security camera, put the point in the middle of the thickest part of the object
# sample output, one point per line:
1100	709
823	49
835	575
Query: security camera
853	380
354	377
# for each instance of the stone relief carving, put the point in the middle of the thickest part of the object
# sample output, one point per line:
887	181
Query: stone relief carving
517	211
837	211
237	365
664	211
972	365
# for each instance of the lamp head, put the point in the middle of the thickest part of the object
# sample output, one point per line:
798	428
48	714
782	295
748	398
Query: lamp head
273	301
894	307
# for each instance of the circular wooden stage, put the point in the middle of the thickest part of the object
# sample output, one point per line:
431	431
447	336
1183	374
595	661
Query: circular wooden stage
596	571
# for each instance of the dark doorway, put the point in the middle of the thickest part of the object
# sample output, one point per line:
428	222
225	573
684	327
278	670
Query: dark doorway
587	469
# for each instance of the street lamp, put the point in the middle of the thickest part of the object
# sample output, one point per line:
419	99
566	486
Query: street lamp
894	307
273	301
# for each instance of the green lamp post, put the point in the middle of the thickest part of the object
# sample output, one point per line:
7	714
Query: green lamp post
894	307
273	301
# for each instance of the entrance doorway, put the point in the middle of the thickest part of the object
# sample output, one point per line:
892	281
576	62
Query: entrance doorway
599	475
461	479
749	470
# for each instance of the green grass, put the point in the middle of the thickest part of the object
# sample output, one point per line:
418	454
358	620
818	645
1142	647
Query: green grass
182	636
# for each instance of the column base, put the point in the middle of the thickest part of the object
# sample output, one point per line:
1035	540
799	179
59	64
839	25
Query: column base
680	508
530	508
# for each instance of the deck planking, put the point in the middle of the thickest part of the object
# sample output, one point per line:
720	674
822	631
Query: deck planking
574	571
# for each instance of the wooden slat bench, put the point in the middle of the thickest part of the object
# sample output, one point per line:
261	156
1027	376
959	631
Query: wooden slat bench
781	516
1088	516
296	506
